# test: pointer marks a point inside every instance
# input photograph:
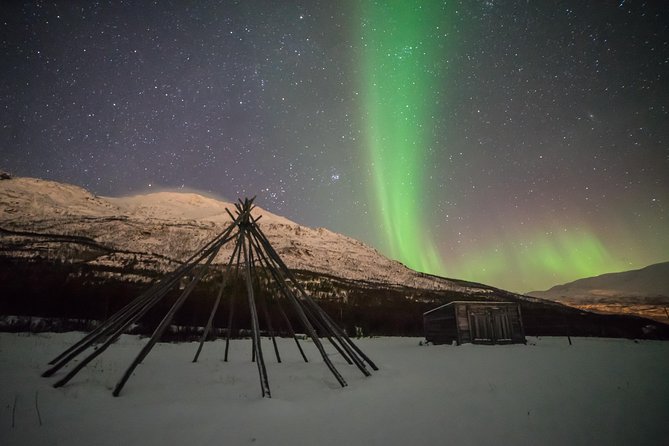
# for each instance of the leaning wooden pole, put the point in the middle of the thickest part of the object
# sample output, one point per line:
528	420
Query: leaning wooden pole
102	347
214	309
228	330
280	279
347	343
307	325
107	337
319	312
267	271
262	371
291	331
131	307
263	301
123	318
231	313
110	340
350	341
164	324
268	319
131	313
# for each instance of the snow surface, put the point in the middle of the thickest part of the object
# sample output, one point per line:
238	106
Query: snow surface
183	206
595	392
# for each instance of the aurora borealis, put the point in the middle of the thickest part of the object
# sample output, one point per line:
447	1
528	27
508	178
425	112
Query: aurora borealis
396	38
518	144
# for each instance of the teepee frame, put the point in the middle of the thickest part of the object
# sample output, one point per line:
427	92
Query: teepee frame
254	258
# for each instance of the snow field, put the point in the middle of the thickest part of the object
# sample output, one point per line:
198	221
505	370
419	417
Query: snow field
597	391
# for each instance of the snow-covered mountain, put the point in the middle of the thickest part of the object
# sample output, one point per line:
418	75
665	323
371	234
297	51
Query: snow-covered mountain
65	252
643	291
649	282
158	230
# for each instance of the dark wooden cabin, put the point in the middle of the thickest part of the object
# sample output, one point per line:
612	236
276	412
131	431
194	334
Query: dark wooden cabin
476	322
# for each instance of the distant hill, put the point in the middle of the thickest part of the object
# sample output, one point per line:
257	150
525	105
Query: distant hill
643	291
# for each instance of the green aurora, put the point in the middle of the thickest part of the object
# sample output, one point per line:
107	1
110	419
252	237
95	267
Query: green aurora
403	43
538	260
397	45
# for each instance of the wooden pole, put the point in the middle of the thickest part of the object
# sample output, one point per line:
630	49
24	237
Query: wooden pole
348	339
229	328
262	371
253	344
228	333
307	325
292	332
263	300
253	349
111	339
282	284
268	268
126	316
317	310
339	333
325	330
119	319
110	335
263	304
210	321
332	327
164	324
101	348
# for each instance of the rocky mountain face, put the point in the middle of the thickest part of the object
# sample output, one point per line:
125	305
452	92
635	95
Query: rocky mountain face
68	253
643	292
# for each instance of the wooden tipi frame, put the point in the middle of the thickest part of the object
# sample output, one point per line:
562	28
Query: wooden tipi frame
254	258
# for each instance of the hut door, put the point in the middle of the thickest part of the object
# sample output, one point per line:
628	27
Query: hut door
490	325
501	325
481	327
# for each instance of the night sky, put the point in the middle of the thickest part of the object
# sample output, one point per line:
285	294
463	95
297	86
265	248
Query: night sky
519	144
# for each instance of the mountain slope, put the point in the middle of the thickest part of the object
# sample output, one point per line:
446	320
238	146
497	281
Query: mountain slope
649	282
644	291
170	226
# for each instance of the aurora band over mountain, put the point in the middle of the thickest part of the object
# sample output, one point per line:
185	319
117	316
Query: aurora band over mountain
401	65
398	118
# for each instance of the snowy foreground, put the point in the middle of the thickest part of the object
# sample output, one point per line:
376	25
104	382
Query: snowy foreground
595	392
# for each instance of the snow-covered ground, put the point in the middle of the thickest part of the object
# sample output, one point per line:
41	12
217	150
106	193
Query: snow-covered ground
597	391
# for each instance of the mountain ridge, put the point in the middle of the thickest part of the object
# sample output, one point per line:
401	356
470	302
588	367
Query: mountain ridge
643	291
649	281
175	224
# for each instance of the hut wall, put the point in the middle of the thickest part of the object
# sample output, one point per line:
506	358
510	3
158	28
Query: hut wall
465	334
440	327
475	322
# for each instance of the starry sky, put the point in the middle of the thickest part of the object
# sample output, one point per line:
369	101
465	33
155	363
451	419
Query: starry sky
520	144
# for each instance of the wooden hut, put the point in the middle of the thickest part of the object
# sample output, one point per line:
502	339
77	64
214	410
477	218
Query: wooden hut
478	322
